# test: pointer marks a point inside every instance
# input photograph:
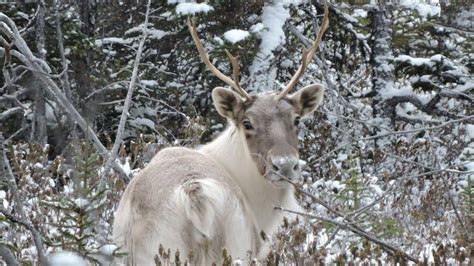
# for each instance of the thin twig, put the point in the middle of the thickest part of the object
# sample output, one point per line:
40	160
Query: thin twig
386	246
445	124
456	211
352	119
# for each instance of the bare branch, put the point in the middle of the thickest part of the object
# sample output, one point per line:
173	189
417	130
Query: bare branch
445	124
445	183
128	99
41	70
429	107
12	111
9	179
386	246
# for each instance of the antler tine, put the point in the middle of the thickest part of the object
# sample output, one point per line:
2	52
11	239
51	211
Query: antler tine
233	83
308	53
234	60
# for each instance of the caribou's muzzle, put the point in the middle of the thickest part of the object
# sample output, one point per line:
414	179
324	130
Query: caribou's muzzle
283	167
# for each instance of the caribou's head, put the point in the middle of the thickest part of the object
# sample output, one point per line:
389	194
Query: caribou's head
268	123
269	126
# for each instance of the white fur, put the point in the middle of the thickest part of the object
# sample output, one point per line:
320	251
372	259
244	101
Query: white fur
225	204
261	195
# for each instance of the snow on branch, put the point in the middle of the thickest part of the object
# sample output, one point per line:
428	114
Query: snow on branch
429	107
234	36
423	9
40	69
193	8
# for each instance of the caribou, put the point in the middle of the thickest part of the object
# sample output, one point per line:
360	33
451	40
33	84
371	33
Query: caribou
222	194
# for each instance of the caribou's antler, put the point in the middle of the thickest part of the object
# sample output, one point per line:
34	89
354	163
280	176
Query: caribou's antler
308	53
233	60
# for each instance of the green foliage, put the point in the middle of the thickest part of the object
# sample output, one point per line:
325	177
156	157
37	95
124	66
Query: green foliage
354	189
79	43
79	211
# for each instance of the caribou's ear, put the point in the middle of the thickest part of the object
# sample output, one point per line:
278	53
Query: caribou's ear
308	98
228	103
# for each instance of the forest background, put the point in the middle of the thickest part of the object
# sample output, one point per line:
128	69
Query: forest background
92	89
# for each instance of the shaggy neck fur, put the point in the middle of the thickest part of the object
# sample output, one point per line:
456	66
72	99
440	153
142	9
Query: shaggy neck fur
230	150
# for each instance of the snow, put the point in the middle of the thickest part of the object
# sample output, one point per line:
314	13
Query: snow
469	166
465	19
218	40
257	28
273	18
152	33
51	182
126	166
149	83
423	9
39	166
237	262
193	8
390	91
338	130
112	40
81	203
66	258
108	249
342	157
140	121
359	13
236	35
377	190
334	185
416	61
466	87
470	131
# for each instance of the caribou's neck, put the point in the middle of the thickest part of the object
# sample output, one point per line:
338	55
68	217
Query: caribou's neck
231	152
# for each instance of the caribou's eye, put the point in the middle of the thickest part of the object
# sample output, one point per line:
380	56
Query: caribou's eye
297	121
247	125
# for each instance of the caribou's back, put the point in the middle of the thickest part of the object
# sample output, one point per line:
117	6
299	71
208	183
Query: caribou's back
183	200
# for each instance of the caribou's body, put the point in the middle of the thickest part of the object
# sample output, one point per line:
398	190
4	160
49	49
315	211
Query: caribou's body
223	194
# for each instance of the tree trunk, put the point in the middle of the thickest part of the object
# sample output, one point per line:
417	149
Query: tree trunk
381	44
80	62
39	132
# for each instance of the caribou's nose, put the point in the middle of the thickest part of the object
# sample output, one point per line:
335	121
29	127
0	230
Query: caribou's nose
286	166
